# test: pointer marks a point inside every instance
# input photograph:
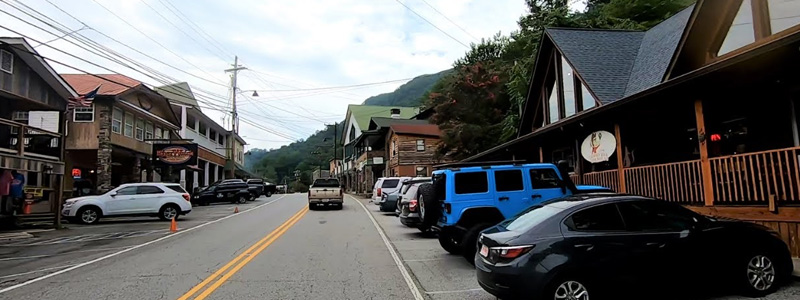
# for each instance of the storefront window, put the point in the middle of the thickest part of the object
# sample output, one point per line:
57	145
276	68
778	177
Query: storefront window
783	14
741	32
569	87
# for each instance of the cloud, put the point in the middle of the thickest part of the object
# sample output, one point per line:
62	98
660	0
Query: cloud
299	43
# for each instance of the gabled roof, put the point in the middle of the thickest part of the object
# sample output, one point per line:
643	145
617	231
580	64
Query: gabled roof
363	113
178	92
383	122
617	63
35	61
417	129
110	84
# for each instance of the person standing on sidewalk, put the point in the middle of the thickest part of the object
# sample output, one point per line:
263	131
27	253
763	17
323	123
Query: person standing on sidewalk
6	206
16	189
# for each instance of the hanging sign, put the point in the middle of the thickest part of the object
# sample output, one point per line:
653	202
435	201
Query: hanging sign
76	173
175	154
598	146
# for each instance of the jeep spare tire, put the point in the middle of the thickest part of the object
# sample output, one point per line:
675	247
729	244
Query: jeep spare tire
429	208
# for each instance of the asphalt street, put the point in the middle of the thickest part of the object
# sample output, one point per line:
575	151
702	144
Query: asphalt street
274	248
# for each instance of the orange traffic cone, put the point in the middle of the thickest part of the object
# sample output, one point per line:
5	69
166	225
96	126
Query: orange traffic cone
173	227
236	210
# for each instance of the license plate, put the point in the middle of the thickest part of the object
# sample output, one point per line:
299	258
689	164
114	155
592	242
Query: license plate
325	200
484	251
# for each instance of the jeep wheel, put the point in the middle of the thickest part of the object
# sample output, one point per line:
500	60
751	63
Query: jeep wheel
469	243
429	209
449	241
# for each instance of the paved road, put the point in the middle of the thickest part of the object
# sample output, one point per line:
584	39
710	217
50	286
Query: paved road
275	250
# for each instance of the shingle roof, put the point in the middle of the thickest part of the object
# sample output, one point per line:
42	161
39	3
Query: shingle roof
381	122
180	92
363	113
417	129
616	63
110	84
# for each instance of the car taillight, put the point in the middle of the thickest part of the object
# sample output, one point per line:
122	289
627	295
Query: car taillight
186	197
447	208
510	252
379	191
412	205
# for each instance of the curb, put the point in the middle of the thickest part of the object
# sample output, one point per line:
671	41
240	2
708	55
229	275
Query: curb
15	236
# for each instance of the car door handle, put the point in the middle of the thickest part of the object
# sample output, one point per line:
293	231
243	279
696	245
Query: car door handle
587	247
503	198
536	196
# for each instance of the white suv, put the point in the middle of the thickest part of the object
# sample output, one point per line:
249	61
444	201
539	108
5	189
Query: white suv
165	200
386	185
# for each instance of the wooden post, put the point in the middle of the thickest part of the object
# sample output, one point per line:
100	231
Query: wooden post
21	141
705	165
620	170
541	155
578	162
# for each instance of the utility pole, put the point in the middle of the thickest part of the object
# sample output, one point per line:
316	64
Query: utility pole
234	114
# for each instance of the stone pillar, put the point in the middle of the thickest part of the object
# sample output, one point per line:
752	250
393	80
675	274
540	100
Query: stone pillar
104	148
136	170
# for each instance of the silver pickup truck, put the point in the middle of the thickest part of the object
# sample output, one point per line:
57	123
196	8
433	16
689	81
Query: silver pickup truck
325	191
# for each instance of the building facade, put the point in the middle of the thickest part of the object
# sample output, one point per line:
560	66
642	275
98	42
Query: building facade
700	110
33	99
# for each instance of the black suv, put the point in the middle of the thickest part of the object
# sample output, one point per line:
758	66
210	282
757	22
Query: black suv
617	246
228	190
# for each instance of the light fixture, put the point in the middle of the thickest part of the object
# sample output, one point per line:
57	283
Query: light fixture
255	93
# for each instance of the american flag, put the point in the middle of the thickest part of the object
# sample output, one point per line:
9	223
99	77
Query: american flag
83	100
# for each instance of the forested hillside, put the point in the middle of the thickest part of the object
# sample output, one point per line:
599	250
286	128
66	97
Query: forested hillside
408	94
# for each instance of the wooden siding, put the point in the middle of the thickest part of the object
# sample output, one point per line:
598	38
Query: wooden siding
26	83
213	157
131	143
407	153
83	135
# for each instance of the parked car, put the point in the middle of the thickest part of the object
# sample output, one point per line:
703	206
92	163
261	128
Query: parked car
389	199
228	190
269	189
325	191
388	185
400	193
165	200
256	187
409	207
468	198
583	245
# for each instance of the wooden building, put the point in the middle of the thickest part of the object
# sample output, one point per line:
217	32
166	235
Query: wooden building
412	149
33	99
110	142
700	110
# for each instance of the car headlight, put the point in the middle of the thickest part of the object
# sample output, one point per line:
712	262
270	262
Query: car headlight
69	204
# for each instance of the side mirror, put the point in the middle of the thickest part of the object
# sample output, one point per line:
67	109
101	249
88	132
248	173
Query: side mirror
113	194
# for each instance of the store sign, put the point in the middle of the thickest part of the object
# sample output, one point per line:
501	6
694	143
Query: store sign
175	154
598	146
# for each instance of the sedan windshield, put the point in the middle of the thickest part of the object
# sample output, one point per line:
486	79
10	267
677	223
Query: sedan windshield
531	217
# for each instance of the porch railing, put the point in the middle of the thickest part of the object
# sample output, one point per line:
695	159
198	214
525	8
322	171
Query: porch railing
609	179
35	142
678	182
757	177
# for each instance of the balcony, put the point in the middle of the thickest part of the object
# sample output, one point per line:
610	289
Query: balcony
37	143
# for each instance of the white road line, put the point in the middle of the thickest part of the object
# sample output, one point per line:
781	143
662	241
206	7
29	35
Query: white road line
453	292
37	279
428	259
403	271
64	253
37	271
23	257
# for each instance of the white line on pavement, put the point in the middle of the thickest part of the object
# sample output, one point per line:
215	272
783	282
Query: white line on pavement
428	259
403	271
453	292
23	257
37	279
64	253
37	271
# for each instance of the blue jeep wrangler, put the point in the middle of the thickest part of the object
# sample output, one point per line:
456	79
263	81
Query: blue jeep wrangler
464	200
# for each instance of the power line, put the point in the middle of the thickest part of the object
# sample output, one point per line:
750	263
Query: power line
339	87
451	21
181	30
429	22
202	33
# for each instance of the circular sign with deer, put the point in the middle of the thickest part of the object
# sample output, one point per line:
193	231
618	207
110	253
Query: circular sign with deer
598	146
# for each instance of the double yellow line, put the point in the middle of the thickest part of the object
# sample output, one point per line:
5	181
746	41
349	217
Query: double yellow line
242	259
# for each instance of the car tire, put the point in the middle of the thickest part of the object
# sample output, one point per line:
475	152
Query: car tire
268	194
469	242
340	206
561	286
241	199
449	241
312	206
253	196
169	212
762	274
429	209
92	215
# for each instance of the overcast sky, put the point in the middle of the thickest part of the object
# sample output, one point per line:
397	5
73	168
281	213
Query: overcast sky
286	45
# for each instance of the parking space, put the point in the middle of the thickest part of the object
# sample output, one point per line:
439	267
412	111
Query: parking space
50	251
443	276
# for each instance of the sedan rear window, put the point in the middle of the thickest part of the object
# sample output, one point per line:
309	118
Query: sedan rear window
390	183
530	218
604	217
